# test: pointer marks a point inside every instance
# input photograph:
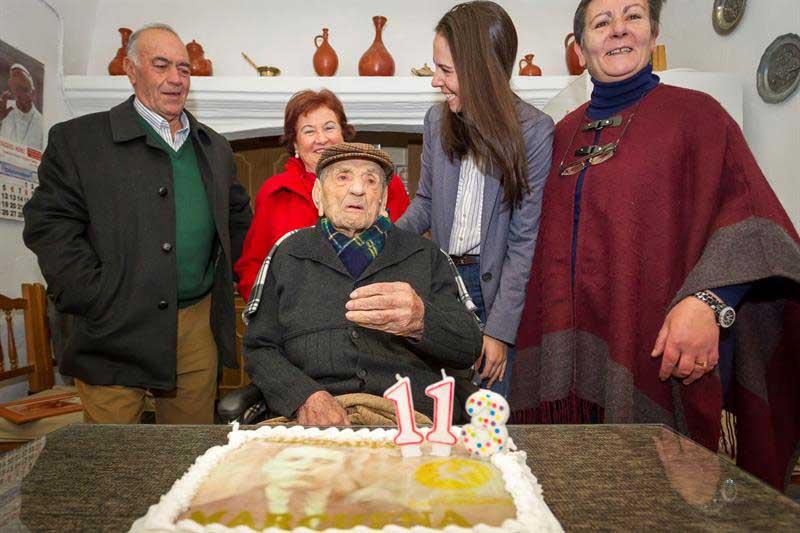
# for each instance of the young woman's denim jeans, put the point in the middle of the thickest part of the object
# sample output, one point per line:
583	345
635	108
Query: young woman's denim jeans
471	274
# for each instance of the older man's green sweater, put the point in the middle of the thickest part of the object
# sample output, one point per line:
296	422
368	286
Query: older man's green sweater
194	225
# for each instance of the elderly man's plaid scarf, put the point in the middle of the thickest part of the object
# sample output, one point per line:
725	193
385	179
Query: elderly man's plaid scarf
357	252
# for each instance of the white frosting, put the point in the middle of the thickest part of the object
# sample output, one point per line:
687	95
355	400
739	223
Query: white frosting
532	511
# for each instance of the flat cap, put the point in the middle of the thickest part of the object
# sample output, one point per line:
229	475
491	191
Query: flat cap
343	151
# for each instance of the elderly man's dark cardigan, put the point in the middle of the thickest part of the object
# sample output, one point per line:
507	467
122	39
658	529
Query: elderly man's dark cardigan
299	341
682	206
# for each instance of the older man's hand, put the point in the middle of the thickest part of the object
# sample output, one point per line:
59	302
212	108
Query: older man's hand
391	307
322	409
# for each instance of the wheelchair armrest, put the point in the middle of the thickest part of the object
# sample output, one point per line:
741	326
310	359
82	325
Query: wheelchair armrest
236	402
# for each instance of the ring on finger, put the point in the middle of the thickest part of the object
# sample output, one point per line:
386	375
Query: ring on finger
701	364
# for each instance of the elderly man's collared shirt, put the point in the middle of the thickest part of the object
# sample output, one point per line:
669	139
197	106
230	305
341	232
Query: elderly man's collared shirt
465	237
159	123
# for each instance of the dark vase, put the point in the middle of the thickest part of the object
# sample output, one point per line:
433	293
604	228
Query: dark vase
197	59
376	61
325	59
115	68
527	67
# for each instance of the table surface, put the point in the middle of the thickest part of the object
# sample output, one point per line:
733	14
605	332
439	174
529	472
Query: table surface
631	477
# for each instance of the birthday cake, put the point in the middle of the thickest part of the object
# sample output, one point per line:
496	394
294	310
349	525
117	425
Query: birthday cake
440	478
310	479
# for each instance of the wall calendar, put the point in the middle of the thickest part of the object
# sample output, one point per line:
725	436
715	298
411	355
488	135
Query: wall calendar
21	128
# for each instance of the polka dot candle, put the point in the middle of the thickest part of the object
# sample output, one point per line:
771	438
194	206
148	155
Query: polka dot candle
486	434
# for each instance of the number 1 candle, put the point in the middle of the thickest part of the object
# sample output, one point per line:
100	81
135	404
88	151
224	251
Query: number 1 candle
408	436
440	435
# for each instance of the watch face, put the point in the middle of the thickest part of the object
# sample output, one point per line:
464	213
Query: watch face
726	317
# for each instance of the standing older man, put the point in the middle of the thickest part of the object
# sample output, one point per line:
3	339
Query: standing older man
136	222
21	124
345	305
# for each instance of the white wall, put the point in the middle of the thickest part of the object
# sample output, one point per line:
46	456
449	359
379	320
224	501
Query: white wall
31	27
772	130
79	30
22	23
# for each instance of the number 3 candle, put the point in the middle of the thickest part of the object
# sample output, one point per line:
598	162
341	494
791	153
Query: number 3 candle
486	434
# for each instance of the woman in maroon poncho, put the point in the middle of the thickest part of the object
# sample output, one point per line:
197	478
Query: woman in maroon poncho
666	271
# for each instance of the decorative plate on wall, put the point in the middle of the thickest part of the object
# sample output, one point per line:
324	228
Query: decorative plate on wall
778	72
727	14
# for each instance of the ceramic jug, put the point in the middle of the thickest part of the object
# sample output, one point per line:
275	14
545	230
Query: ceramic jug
659	58
325	59
200	65
527	67
376	61
573	63
115	68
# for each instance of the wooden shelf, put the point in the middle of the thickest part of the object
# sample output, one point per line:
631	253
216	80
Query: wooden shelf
245	107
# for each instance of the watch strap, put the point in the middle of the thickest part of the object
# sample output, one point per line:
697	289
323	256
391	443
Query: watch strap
716	305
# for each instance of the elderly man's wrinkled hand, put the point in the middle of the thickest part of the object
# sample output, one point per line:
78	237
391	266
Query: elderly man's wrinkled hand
322	409
391	307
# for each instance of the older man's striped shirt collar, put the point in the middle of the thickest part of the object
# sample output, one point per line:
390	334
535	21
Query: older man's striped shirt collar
159	123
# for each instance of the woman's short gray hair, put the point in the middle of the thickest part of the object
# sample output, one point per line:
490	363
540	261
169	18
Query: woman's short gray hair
579	22
131	49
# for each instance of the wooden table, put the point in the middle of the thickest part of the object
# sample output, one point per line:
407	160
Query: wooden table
629	477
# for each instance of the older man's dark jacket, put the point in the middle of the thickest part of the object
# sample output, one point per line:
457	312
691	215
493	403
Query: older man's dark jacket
102	223
299	342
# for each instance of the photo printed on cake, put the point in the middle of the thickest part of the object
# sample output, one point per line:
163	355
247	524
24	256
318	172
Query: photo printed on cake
323	485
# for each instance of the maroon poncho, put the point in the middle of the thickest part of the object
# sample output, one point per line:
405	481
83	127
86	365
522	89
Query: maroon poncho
681	207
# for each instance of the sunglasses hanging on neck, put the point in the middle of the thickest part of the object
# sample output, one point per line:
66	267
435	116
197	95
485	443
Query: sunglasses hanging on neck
595	154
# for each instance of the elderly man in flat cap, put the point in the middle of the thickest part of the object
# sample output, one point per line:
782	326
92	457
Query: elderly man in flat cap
343	306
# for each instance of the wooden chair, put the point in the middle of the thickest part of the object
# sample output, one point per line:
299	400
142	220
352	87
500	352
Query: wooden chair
39	368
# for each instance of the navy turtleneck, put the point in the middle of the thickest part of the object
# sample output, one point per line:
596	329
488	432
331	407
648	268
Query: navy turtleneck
609	98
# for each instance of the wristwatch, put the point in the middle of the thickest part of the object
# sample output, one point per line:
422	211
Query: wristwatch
725	314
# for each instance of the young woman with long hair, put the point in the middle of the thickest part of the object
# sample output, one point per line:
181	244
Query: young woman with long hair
485	157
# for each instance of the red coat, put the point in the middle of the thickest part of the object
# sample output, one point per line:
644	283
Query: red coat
283	204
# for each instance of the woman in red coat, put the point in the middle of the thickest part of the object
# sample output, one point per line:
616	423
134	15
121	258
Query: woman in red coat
312	122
